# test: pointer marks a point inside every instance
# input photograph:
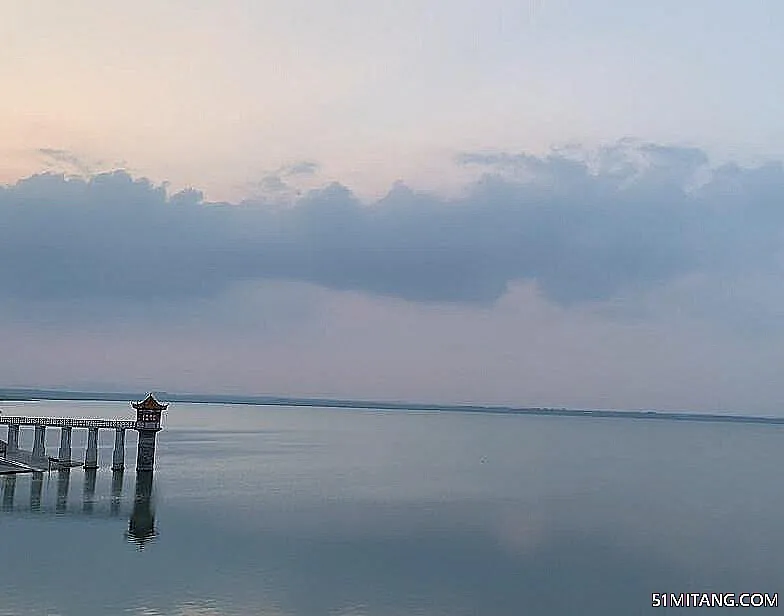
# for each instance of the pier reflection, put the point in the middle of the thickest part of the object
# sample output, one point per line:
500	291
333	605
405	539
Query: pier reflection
141	527
9	489
50	493
88	493
63	481
117	486
36	487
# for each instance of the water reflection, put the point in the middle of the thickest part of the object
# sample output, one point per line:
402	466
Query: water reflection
88	494
141	519
141	527
117	485
63	481
36	487
9	488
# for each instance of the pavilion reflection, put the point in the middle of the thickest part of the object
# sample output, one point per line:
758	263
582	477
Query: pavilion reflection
140	510
141	527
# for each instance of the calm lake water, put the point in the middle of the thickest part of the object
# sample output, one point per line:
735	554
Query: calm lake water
304	511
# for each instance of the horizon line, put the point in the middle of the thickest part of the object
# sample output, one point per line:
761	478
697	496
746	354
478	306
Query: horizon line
29	394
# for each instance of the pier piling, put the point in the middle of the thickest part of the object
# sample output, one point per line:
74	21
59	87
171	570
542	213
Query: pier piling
39	443
64	455
118	458
13	438
91	455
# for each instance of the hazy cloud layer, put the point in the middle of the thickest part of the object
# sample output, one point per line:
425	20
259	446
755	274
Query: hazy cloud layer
580	225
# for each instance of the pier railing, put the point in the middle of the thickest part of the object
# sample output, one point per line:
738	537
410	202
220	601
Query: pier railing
67	422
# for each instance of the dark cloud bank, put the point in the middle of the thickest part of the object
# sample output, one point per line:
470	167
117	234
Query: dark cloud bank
583	226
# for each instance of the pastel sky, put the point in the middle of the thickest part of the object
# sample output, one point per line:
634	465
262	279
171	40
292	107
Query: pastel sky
527	202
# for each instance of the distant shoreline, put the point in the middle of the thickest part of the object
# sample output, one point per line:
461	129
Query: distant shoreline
29	395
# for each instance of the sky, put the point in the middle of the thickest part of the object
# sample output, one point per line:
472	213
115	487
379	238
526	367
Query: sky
537	203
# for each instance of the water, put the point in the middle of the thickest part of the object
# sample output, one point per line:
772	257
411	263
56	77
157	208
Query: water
298	511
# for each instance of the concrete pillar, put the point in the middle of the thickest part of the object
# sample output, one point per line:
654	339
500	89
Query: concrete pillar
65	444
118	459
39	443
91	455
88	495
13	438
145	454
63	481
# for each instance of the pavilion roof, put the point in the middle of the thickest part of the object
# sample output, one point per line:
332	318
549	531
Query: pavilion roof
149	404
